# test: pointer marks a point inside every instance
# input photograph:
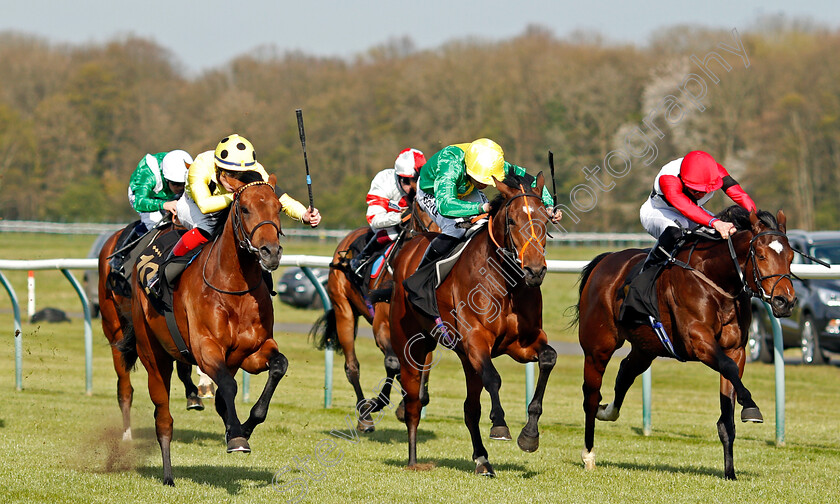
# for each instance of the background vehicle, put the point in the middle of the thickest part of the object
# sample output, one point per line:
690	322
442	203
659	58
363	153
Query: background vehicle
90	280
294	287
814	325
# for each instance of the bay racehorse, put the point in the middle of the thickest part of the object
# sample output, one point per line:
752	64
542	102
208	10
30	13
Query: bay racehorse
339	325
490	304
705	310
115	312
223	309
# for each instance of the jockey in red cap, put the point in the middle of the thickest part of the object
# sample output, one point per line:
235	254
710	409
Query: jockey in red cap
676	202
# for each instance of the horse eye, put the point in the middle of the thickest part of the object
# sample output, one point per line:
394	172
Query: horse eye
245	211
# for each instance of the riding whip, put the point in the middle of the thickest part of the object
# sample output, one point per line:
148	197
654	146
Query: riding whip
553	184
299	114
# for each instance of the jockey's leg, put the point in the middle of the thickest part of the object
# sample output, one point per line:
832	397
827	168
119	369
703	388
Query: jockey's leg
188	242
664	247
375	244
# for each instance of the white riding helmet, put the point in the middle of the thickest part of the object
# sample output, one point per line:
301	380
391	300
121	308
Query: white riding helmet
408	163
175	165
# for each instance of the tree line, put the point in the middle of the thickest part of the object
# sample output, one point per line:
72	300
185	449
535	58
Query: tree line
75	120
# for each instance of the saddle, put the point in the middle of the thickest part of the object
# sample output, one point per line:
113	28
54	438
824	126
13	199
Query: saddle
156	256
127	251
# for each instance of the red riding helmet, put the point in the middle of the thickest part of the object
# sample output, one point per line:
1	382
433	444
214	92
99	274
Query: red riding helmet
699	171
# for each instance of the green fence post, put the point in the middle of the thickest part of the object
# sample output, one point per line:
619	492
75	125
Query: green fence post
18	337
646	393
779	366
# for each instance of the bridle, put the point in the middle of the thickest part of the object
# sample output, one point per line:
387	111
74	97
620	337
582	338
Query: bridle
757	276
516	256
242	237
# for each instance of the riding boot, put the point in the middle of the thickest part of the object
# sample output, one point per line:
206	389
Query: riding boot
124	248
420	287
188	242
358	262
664	247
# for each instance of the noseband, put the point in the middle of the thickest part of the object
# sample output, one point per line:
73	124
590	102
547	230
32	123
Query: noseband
243	238
757	277
512	255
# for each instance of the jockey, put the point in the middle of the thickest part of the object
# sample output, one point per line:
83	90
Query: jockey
155	185
208	194
389	196
676	202
450	187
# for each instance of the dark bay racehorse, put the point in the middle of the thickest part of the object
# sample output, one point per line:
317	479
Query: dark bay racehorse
115	311
340	324
223	310
705	310
491	305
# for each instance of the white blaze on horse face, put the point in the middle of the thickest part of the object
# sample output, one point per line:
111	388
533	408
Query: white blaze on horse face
528	209
778	247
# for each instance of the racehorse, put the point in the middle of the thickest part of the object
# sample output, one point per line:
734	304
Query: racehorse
490	304
115	311
705	310
348	304
223	309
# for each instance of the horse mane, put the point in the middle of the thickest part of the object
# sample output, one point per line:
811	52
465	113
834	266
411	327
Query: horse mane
740	217
250	176
513	181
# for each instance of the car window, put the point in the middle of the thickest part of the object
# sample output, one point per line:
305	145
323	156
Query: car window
828	252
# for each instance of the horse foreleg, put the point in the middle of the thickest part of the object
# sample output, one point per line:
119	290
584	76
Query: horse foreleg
184	371
472	415
392	370
492	381
529	437
256	363
732	371
631	367
726	426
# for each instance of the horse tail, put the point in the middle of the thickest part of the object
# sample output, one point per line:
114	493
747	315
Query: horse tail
128	346
323	333
584	277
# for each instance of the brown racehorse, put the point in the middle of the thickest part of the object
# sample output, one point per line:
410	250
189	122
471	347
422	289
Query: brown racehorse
223	310
115	311
341	322
705	310
491	305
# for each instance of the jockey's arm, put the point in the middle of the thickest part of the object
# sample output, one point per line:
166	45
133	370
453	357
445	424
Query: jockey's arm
446	189
378	215
548	201
142	190
198	185
672	190
734	190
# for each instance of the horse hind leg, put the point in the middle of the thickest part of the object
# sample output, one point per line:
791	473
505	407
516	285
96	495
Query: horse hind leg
190	390
125	393
726	427
593	374
159	370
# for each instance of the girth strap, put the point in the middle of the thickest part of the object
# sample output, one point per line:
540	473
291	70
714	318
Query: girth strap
176	336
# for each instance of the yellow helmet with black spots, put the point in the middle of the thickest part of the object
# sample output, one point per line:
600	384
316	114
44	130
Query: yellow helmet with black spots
235	153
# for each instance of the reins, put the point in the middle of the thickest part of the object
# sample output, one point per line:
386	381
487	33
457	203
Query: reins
757	277
503	250
242	238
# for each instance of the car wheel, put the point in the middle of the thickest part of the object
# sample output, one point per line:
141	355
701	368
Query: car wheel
811	351
758	344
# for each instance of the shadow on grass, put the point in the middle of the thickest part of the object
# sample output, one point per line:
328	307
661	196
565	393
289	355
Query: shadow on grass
670	468
2	423
394	436
466	465
182	435
229	478
665	434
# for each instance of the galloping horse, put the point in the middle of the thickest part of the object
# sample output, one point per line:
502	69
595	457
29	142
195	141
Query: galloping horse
705	310
223	310
115	311
490	304
341	322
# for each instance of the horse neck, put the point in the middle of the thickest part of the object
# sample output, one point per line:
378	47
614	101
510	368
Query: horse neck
718	264
231	261
505	278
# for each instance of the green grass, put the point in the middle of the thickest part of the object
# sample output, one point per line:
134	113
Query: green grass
63	446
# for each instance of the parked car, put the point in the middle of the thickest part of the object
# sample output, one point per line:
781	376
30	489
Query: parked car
90	280
814	325
294	287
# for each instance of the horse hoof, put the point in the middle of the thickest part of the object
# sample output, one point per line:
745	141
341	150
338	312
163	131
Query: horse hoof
206	391
238	444
500	433
194	403
527	443
400	412
588	458
169	482
483	467
365	426
751	414
127	435
607	413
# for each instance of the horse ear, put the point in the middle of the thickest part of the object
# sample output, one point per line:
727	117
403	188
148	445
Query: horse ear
503	188
540	183
272	179
781	220
754	222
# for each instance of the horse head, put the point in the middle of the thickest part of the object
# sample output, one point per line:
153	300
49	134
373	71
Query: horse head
518	216
767	270
256	220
